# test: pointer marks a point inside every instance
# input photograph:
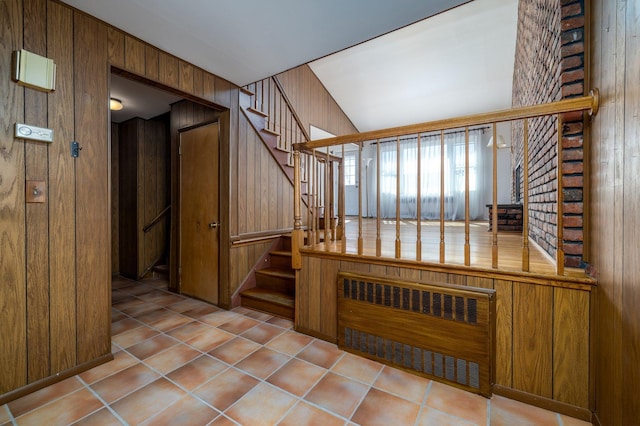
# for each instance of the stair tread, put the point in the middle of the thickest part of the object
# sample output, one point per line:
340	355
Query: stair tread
277	272
281	252
257	111
272	296
273	132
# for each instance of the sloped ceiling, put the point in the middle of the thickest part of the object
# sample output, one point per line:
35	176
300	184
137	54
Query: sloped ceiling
458	61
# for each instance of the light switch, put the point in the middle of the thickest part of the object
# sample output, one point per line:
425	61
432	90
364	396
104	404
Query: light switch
36	191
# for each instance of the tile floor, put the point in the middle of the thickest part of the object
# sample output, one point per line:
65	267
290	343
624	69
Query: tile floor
180	361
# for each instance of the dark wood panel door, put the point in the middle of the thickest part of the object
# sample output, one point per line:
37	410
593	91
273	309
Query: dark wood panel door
199	220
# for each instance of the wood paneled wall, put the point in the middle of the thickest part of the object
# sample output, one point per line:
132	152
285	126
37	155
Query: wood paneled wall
55	289
313	104
243	259
259	188
615	59
55	266
542	330
143	147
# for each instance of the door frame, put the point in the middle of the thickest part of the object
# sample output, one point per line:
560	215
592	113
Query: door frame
223	115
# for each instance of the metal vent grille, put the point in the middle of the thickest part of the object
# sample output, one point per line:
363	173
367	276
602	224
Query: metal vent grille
439	331
411	357
436	304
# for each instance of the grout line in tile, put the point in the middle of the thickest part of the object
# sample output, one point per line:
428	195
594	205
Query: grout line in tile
107	406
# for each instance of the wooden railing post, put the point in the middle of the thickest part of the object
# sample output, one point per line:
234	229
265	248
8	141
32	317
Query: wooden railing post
297	236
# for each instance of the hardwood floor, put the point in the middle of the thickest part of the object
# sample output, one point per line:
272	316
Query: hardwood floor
480	242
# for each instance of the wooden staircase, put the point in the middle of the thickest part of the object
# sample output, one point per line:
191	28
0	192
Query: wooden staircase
274	292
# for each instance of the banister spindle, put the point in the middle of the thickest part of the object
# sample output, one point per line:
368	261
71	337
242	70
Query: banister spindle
297	235
359	183
560	207
494	202
341	210
398	242
419	206
378	238
442	198
525	202
467	246
326	203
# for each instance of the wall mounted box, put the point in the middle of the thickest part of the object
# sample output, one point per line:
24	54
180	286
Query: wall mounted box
34	71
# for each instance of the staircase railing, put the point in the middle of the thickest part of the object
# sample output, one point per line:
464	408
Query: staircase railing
465	123
315	169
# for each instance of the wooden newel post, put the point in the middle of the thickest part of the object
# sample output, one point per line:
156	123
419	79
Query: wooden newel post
297	236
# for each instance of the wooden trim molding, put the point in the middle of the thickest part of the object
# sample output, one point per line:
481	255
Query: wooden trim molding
40	384
546	403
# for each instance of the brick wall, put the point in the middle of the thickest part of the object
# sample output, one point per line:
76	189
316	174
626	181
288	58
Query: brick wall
549	66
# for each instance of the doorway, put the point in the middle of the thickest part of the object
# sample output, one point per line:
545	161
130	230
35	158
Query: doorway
199	212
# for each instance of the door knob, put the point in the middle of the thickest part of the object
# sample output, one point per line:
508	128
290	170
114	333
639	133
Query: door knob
214	225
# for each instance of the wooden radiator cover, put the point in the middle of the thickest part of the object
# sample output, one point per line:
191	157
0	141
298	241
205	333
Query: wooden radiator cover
440	331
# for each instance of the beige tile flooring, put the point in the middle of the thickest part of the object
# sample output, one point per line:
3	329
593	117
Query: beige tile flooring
179	361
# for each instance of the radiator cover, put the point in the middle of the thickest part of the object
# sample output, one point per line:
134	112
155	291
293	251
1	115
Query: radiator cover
439	331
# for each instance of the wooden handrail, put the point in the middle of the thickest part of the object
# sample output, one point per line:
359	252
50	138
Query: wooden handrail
156	219
588	103
291	109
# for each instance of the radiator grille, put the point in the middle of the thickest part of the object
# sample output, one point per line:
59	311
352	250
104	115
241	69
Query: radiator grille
435	304
439	331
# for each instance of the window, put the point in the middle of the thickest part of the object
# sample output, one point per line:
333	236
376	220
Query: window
350	169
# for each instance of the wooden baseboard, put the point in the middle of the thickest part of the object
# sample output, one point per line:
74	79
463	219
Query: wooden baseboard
546	403
316	334
43	383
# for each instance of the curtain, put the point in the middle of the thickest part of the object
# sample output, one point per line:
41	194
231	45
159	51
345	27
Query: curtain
430	164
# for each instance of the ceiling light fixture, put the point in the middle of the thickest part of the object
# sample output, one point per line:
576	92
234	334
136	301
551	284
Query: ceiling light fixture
501	142
115	104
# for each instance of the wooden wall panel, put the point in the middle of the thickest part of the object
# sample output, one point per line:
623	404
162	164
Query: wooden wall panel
168	72
128	201
243	259
631	212
615	205
258	185
92	189
152	64
115	47
533	339
186	77
134	55
62	178
542	344
312	102
504	332
13	354
570	347
115	198
38	366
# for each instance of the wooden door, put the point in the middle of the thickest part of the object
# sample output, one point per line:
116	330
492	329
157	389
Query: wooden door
199	220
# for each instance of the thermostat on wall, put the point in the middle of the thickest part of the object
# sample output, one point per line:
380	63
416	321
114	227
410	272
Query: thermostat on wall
24	131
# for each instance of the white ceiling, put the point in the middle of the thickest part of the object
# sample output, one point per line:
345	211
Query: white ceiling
457	63
454	63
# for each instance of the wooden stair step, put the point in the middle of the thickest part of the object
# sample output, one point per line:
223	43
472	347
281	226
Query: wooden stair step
277	272
161	269
276	279
269	301
257	111
283	253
